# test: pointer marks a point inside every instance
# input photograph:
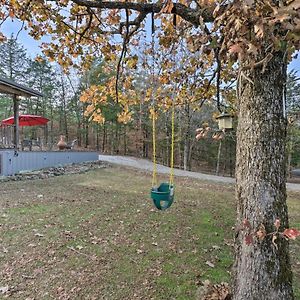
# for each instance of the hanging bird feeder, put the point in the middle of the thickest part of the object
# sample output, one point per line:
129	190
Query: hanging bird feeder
225	121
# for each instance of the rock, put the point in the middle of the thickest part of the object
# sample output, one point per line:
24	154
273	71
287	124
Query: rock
55	171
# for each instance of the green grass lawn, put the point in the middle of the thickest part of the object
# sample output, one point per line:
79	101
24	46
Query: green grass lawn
98	236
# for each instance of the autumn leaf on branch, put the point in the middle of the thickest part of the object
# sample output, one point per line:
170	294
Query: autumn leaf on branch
291	233
277	224
249	239
246	224
167	9
261	233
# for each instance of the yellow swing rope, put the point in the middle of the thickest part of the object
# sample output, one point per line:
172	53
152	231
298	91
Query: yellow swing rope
172	145
154	174
153	111
153	114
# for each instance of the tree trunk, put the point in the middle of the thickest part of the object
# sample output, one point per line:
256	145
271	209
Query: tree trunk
186	153
97	137
145	141
104	138
261	270
219	158
125	140
86	133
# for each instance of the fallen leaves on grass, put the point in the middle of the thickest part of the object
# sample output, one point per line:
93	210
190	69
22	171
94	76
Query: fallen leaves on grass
4	289
209	291
210	264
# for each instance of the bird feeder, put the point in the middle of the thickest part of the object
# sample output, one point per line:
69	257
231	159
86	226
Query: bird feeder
225	121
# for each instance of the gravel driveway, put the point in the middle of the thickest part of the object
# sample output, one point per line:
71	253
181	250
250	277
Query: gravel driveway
146	165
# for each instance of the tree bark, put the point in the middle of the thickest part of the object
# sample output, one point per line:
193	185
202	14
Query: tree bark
261	270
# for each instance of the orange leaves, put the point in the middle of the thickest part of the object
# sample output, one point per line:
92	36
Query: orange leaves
252	49
261	233
259	30
247	29
291	233
114	17
202	132
11	13
235	49
3	38
125	116
164	79
98	118
131	62
207	3
167	8
217	136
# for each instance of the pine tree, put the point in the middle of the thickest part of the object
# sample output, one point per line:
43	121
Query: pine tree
13	60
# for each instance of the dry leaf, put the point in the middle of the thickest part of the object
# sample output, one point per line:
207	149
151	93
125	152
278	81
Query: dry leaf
210	264
291	233
277	224
249	239
4	289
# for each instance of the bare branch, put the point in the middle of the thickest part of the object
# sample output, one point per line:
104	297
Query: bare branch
123	53
87	26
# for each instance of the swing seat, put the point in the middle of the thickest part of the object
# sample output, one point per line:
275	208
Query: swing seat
163	195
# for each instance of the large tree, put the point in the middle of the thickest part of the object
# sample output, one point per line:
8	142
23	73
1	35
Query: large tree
257	37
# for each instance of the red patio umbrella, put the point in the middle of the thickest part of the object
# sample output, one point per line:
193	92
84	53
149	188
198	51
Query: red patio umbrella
27	120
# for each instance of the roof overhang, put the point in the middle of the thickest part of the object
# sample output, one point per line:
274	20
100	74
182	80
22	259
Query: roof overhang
8	86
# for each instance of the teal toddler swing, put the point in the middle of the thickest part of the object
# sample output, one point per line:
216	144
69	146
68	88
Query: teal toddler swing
163	194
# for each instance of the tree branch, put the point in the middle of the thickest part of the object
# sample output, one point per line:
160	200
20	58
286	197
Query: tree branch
190	15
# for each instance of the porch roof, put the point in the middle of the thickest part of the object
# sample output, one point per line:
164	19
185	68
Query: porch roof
8	86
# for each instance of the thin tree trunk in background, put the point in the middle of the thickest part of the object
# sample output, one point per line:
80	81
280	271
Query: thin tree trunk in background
117	139
185	153
78	133
262	271
125	140
64	109
187	138
86	133
219	158
97	137
104	139
179	143
192	144
145	142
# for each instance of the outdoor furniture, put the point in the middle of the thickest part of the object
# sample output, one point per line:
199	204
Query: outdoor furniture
30	143
26	144
71	145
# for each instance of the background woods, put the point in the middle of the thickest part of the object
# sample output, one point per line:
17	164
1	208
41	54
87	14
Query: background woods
61	104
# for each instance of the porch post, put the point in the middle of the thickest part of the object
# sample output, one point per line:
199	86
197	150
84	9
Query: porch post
16	122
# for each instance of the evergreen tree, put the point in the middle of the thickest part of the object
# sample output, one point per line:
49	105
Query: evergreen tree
13	60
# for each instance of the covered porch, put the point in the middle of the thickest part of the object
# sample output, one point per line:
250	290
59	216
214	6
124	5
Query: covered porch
16	90
13	161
